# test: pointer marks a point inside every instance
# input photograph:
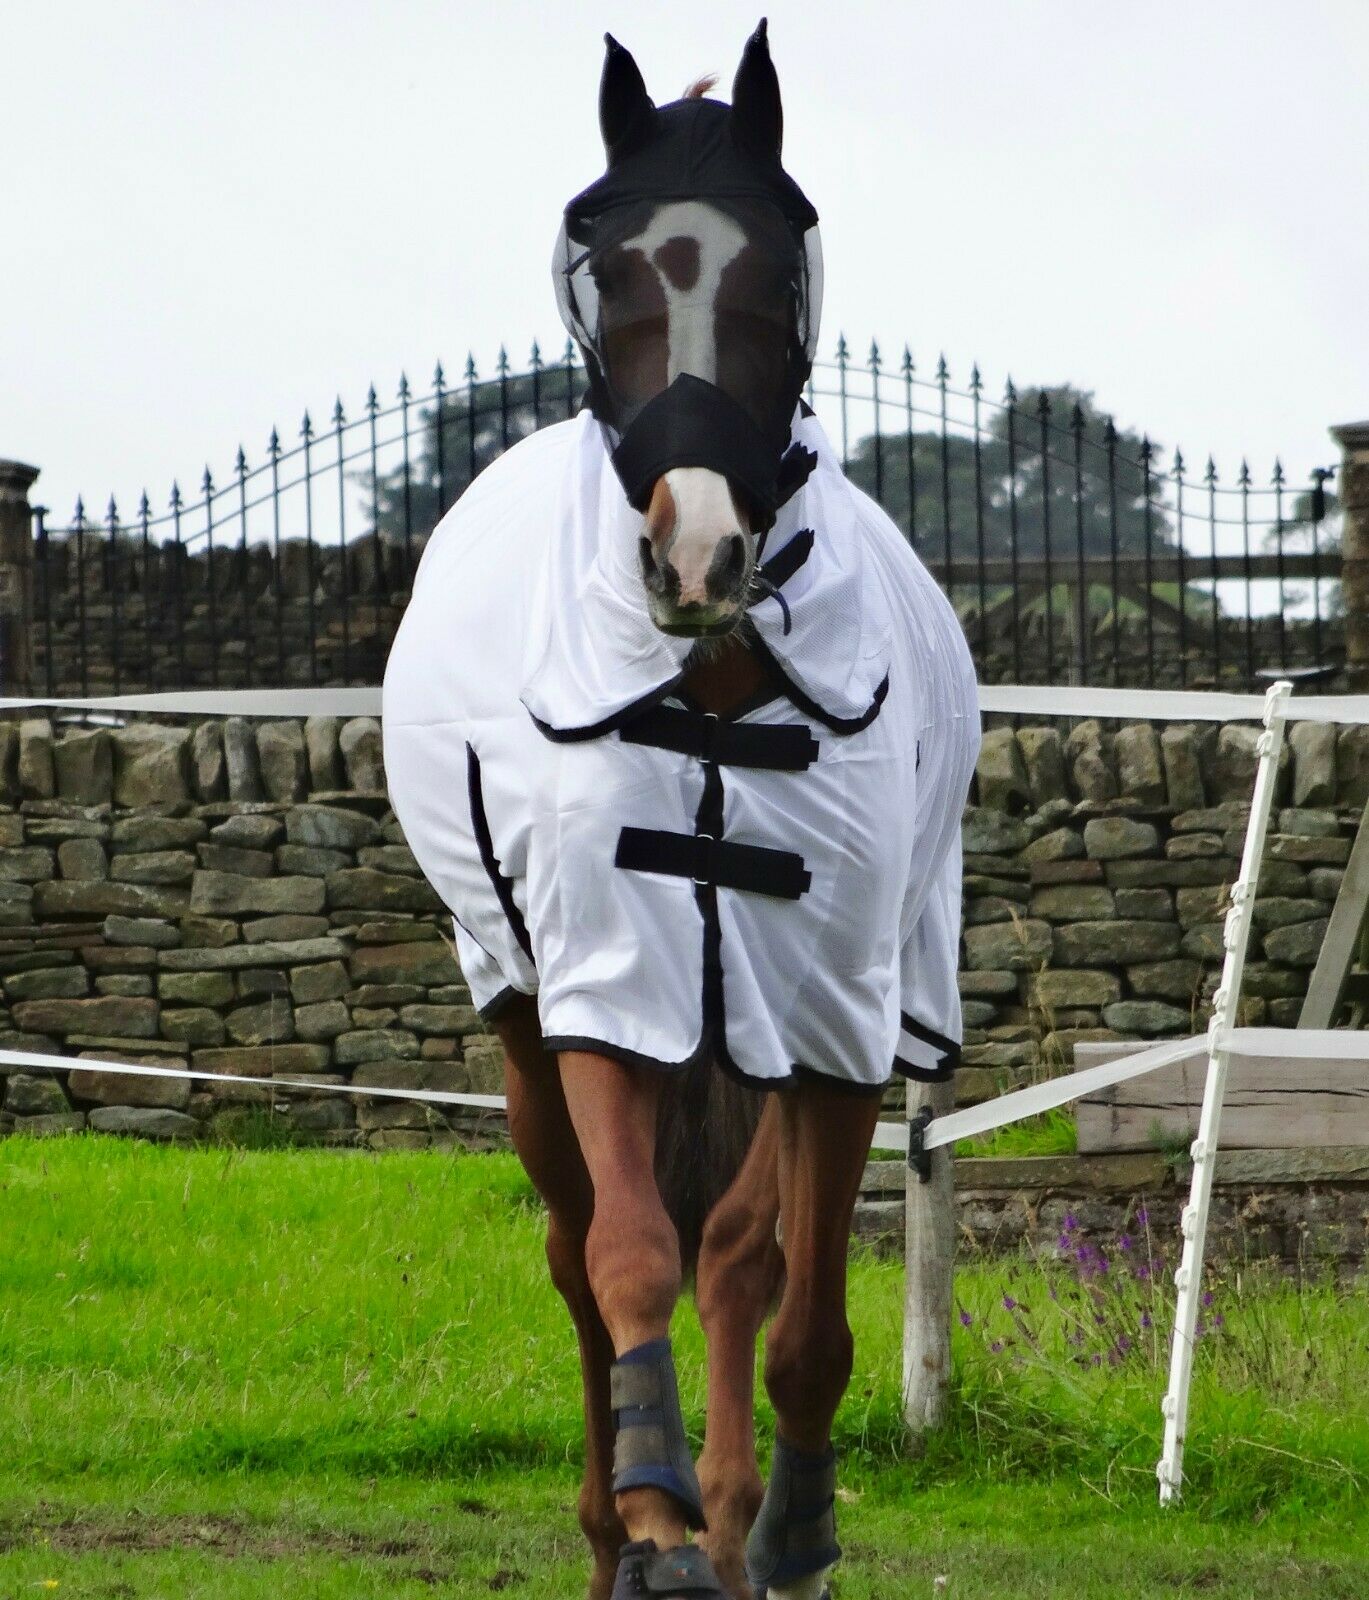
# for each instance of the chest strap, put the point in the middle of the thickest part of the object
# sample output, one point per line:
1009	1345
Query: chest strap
717	863
779	747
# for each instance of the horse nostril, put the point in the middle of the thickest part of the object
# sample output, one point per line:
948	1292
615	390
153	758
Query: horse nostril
728	568
651	573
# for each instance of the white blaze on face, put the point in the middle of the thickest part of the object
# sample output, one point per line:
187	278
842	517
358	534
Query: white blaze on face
690	245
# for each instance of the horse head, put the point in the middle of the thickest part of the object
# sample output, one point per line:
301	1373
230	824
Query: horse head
690	277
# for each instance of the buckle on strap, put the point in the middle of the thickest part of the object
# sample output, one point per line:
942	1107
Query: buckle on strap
714	863
776	747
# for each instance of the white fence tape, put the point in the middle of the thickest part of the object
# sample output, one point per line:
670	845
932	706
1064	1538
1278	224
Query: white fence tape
1018	699
339	702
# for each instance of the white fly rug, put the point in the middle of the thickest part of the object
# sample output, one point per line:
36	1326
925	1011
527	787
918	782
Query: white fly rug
778	889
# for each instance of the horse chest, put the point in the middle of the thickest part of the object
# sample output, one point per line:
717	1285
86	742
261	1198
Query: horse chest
727	678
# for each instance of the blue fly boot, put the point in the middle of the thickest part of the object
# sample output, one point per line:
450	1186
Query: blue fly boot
650	1450
685	1573
793	1543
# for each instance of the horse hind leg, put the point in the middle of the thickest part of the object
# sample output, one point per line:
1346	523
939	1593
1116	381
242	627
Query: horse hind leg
540	1127
739	1272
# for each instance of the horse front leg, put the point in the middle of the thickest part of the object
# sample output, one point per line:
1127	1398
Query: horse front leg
544	1138
739	1273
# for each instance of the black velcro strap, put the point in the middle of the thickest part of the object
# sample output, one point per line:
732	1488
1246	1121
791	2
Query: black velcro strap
786	562
778	747
716	862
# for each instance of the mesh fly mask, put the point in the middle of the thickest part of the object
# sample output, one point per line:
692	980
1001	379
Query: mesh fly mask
690	276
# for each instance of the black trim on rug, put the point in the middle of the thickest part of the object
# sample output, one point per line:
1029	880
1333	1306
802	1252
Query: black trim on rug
611	723
810	707
484	843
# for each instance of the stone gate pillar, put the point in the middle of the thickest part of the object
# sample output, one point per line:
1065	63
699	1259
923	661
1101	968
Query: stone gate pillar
1353	438
16	576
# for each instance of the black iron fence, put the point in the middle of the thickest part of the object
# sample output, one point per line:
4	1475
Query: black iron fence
1072	549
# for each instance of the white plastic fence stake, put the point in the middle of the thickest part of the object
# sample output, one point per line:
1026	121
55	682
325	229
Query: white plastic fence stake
1189	1277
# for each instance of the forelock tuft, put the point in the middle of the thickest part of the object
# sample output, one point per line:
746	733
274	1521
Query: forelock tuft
700	87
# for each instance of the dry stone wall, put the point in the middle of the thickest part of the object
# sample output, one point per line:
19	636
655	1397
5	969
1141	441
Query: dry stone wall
236	896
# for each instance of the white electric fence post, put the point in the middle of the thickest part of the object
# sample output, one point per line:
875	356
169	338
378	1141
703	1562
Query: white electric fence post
1188	1278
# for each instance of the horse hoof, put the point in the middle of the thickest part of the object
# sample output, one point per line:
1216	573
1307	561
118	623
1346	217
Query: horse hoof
684	1573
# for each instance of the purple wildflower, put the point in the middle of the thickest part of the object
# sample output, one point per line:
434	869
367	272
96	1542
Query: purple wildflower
996	1348
1096	1360
1146	1319
1207	1298
1219	1321
966	1320
1071	1223
1124	1243
1009	1304
1142	1217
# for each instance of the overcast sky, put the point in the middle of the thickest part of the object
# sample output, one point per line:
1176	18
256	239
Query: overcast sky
215	215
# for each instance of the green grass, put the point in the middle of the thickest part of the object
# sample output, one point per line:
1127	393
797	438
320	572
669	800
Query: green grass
232	1373
1053	1133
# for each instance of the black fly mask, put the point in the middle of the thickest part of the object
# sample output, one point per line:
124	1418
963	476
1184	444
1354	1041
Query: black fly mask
690	276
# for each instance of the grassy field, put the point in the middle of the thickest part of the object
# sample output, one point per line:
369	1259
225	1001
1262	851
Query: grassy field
228	1373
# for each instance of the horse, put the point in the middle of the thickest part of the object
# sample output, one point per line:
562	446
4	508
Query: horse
679	728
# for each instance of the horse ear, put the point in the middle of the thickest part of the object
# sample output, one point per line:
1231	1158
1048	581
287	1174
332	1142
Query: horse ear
757	116
625	109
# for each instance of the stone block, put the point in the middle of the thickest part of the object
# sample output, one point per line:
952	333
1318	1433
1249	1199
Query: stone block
1202	905
226	893
145	1122
1297	945
83	767
34	1094
1140	770
1352	766
259	981
217	857
37	776
16	905
1073	902
378	1017
208	768
282	760
1090	762
272	930
1001	774
330	827
450	1077
128	984
251	830
1179	754
279	1060
1303	851
324	1019
326	981
125	1089
31	863
987	983
111	1015
89	897
485	1067
1234	762
82	858
195	988
1146	1019
427	962
1168	874
1144	905
1281	911
48	983
321	747
119	957
311	860
1325	882
235	957
153	866
151	833
989	908
1120	838
264	1022
1204	941
362	754
1044	873
1194	846
1314	763
390	858
1312	824
1212	819
429	1019
1090	944
192	1025
1060	844
207	933
408	994
1179	979
141	930
1021	946
1058	1047
49	1127
1043	755
240	757
991	832
1054	989
365	889
151	765
374	1044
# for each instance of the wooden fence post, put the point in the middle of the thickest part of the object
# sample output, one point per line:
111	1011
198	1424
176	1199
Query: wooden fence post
16	577
1353	438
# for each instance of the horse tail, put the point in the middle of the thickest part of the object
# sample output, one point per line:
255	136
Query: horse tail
704	1130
